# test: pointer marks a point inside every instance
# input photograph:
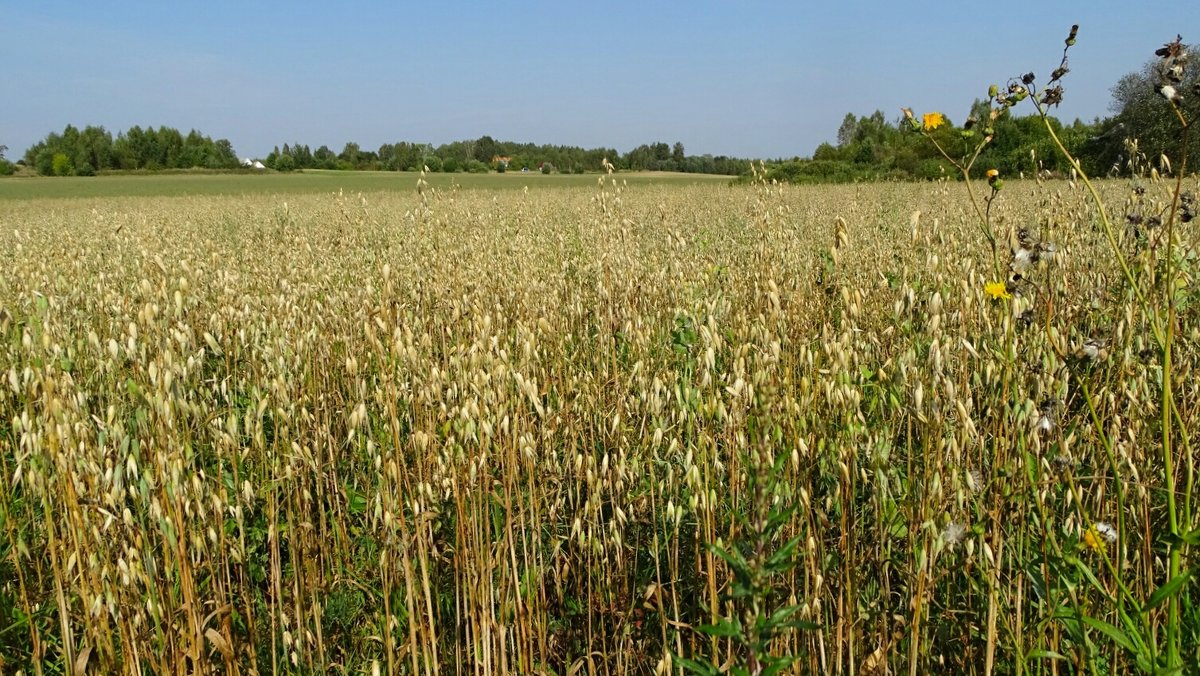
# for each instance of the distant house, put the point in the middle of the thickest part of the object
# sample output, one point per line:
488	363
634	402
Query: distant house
253	164
498	160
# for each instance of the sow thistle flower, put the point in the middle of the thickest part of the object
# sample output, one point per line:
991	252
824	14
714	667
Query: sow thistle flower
993	179
997	291
932	121
1099	536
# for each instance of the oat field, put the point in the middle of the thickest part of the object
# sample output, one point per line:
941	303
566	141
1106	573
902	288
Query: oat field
590	430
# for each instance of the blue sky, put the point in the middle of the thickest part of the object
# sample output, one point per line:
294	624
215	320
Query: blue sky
747	79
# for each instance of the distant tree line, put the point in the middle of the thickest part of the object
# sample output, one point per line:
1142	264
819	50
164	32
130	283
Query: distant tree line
874	148
1141	130
75	152
83	153
487	154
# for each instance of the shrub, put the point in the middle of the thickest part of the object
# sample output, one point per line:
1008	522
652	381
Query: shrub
60	165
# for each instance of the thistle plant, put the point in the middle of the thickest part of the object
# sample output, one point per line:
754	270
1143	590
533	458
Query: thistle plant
760	564
1151	284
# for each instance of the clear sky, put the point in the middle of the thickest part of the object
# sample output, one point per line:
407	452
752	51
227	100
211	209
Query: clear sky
739	78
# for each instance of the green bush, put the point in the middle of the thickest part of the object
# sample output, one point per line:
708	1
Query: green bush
60	165
7	168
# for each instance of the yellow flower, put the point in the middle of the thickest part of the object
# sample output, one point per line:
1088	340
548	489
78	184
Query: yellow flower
1093	540
992	173
997	290
933	120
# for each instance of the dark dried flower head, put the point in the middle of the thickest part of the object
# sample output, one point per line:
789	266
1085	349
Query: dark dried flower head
1053	96
1059	73
1092	350
1026	318
1172	49
1062	462
1045	423
1027	79
1071	38
1026	238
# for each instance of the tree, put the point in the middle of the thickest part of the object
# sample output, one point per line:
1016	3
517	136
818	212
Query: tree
485	149
677	154
223	156
325	158
826	152
60	165
350	154
848	130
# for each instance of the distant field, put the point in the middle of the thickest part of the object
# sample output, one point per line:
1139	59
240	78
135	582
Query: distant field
310	182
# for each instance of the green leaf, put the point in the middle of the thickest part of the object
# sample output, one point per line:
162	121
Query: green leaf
1170	588
735	560
778	666
778	517
1192	538
780	616
724	628
781	559
1091	577
1044	655
695	667
358	502
1111	632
